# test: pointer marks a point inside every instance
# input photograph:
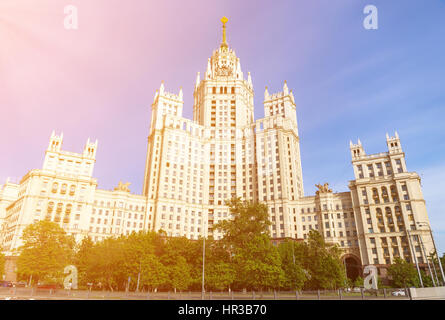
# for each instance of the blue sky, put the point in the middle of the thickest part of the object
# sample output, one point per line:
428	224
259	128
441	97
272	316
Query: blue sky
348	82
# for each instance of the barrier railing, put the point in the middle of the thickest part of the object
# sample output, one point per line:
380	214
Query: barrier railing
339	294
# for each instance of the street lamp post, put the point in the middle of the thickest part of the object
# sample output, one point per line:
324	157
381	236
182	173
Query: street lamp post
293	257
435	249
203	266
415	257
427	261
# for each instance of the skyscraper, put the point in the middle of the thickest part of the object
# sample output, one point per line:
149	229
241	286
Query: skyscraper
194	166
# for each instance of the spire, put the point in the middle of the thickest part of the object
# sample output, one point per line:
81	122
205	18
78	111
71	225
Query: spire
198	79
180	93
249	79
285	88
156	95
359	142
224	39
238	65
209	69
351	144
266	94
161	89
397	135
292	96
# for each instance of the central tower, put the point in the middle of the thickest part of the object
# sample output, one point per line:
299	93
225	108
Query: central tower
223	98
194	167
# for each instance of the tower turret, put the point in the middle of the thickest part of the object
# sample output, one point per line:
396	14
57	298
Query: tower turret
89	151
393	143
357	150
55	142
281	103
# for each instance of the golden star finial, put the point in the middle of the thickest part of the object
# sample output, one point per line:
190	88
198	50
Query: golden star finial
224	40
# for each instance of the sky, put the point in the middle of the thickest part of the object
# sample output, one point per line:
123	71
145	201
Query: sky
349	82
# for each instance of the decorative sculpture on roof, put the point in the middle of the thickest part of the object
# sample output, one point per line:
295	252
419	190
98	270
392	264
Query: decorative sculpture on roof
323	188
122	187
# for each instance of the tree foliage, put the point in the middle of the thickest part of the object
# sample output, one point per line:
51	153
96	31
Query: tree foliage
45	252
291	253
323	263
403	274
248	221
258	264
244	258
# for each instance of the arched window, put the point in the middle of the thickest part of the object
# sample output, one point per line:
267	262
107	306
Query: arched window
388	211
375	195
50	207
66	219
394	193
72	190
63	188
55	187
59	208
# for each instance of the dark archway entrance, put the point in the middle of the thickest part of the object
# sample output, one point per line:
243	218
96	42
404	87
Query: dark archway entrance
353	267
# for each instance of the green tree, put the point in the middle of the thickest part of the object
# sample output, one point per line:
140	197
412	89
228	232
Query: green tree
256	261
136	247
219	275
426	279
179	274
358	282
258	264
45	252
106	267
291	262
249	220
83	258
403	274
323	263
154	273
219	271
